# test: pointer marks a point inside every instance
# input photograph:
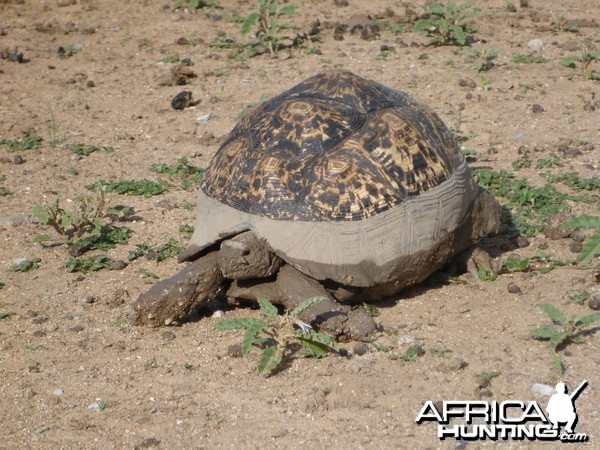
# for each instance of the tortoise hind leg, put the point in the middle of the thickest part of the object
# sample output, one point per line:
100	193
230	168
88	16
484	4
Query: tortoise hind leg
292	287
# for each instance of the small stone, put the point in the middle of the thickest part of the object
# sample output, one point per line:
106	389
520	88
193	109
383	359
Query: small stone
234	351
76	329
203	118
543	389
18	159
218	313
87	300
149	442
361	348
514	289
39	333
589	147
33	367
31	314
183	100
522	241
58	392
167	335
594	302
118	265
537	108
536	44
90	84
575	246
510	7
341	2
39	320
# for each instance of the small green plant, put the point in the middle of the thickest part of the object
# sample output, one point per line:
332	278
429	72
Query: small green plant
85	149
529	206
189	175
90	264
580	298
186	231
265	20
482	60
28	140
570	331
409	355
82	228
514	264
446	24
3	191
7	314
574	180
147	274
544	263
591	245
160	253
27	265
522	162
281	336
371	309
551	161
529	59
489	376
143	187
585	60
486	275
172	59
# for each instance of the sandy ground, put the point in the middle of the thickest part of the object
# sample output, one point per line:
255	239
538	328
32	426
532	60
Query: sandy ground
99	73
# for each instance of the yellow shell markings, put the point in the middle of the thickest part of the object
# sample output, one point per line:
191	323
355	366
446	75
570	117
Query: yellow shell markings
335	147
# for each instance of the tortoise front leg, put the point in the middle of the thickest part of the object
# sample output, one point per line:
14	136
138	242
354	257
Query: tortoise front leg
174	298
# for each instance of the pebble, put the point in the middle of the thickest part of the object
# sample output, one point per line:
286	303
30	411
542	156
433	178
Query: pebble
218	313
118	265
18	261
18	159
87	300
361	348
594	302
76	329
575	246
149	442
536	44
58	392
537	108
203	118
543	389
167	335
514	288
234	351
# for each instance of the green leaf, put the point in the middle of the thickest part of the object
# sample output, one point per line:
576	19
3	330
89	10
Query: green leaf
554	313
514	264
460	35
583	221
270	358
250	336
569	61
244	322
248	23
314	349
42	238
371	309
267	307
545	333
590	249
306	304
40	213
7	314
320	338
585	321
558	363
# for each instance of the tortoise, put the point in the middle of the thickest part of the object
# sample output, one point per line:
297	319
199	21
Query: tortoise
339	187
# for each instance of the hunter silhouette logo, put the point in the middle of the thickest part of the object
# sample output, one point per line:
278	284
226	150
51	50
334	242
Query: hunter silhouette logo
510	419
561	407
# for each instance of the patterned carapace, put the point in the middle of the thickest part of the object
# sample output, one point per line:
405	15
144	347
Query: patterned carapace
334	147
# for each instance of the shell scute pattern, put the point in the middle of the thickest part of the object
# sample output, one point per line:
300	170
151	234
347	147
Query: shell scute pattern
335	147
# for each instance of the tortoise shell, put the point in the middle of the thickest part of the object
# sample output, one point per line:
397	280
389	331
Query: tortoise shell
344	178
335	147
